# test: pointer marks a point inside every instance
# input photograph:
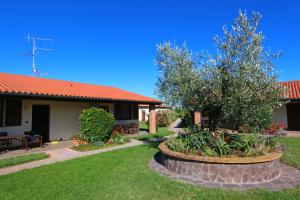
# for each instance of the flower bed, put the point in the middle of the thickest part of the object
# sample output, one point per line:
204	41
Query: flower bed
227	170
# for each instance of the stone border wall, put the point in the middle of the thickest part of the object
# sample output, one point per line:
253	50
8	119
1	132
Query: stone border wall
224	173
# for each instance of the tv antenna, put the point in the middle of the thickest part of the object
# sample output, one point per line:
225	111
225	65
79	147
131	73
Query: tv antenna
34	51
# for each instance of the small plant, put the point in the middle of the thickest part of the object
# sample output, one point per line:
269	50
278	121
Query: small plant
276	127
219	143
221	147
119	139
176	144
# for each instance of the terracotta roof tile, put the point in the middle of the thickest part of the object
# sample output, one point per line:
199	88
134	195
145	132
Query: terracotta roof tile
19	84
292	89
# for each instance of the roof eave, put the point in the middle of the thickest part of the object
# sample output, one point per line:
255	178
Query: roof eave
75	98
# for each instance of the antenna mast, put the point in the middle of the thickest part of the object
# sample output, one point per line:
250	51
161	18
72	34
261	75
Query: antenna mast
34	51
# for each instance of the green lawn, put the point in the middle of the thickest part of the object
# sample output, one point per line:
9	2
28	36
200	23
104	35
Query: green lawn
161	132
292	151
22	159
121	174
143	125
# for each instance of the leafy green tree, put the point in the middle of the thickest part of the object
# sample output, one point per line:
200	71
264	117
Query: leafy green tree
237	88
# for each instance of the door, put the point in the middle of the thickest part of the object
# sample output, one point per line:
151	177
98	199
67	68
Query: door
143	115
40	121
293	116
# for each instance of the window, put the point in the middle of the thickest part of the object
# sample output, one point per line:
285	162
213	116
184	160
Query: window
123	111
1	112
10	112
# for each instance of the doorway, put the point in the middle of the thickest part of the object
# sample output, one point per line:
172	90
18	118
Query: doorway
293	116
40	121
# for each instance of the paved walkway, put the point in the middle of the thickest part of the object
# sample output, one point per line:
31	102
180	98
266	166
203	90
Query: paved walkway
293	133
46	148
58	155
175	127
289	178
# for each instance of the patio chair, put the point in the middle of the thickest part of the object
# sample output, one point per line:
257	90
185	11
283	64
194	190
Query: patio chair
6	142
133	128
33	138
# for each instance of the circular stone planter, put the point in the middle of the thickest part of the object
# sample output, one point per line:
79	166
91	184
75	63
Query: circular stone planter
222	170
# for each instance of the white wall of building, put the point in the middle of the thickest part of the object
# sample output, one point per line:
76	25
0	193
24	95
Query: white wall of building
280	114
146	110
64	118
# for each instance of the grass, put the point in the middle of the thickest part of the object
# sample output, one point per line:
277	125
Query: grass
161	132
22	159
292	151
120	174
91	147
143	125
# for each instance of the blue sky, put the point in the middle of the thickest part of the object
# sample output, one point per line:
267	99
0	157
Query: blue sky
114	42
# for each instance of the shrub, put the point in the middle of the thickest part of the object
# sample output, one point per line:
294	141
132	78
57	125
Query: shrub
176	144
187	120
204	142
96	125
162	119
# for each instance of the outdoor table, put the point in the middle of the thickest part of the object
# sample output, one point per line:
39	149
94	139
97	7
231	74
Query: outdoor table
21	138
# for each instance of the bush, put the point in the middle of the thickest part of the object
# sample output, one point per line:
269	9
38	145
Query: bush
206	143
187	120
176	144
96	125
162	119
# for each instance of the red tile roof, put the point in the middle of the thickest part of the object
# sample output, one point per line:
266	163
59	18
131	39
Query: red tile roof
19	84
292	89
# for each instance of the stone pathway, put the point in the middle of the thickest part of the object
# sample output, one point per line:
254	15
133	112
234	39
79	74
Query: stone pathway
293	134
35	150
289	178
175	127
58	155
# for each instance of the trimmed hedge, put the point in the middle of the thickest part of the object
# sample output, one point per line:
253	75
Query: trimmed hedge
96	125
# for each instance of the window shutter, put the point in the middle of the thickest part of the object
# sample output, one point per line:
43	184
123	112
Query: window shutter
13	112
117	111
135	109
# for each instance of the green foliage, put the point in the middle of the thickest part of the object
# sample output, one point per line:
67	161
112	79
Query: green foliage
204	142
162	118
221	147
165	117
176	113
119	139
187	120
237	88
161	133
176	144
96	125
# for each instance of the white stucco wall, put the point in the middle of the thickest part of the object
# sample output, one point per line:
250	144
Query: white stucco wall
146	110
64	118
280	114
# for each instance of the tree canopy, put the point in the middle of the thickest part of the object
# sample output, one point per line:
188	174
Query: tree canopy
236	87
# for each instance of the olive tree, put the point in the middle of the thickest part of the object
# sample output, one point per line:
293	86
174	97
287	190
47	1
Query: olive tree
237	87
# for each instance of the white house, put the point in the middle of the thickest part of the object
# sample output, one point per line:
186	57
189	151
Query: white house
52	107
144	111
289	112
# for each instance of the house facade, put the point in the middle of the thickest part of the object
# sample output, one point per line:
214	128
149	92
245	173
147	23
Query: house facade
144	111
289	112
52	107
